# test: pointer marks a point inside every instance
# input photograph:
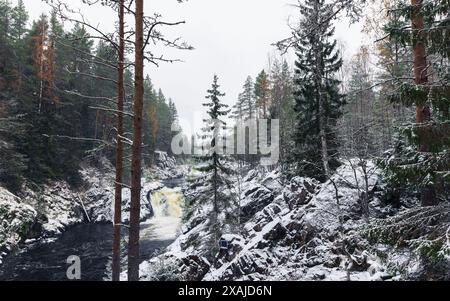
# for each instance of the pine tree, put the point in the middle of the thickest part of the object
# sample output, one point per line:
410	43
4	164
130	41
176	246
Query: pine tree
120	145
318	101
422	160
213	164
136	172
282	106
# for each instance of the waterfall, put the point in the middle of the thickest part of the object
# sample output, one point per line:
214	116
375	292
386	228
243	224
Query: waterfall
167	206
167	203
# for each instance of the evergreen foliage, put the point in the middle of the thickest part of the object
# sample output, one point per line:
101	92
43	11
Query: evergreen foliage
317	94
420	158
58	100
213	163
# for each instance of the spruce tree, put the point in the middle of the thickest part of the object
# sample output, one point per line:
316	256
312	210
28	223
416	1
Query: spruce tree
18	31
245	107
318	100
150	126
164	123
5	45
217	193
245	112
19	19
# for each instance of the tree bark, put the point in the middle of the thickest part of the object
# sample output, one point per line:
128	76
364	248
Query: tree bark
419	59
133	244
321	102
423	113
119	151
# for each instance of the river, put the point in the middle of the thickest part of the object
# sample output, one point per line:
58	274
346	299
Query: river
92	243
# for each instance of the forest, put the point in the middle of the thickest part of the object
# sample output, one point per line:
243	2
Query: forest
326	166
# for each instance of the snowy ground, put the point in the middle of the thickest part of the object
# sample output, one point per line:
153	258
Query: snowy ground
290	230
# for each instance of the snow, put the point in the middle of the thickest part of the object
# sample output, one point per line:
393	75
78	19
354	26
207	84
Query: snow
16	221
99	198
291	230
56	206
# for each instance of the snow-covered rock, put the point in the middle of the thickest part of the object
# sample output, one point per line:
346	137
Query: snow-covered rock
58	207
99	198
45	212
166	167
17	221
291	230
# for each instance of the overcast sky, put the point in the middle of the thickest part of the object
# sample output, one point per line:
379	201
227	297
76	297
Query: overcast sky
232	38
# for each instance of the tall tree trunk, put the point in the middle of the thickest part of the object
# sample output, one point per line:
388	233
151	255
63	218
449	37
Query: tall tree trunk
420	60
320	100
323	136
423	113
119	152
133	244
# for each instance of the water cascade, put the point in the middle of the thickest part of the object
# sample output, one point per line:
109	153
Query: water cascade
167	206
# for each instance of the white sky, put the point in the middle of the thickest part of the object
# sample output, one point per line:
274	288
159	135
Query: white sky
232	38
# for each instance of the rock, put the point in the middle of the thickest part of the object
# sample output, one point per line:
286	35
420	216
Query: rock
296	232
18	221
277	233
235	245
194	267
257	200
272	183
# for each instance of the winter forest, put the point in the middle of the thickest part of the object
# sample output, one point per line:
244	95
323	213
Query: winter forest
331	163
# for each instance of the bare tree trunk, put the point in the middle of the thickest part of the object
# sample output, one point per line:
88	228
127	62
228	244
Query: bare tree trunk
119	152
423	113
133	244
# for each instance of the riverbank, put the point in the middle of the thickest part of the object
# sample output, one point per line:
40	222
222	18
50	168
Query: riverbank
44	214
92	243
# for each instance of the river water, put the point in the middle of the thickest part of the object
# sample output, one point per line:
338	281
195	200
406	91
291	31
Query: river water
92	243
